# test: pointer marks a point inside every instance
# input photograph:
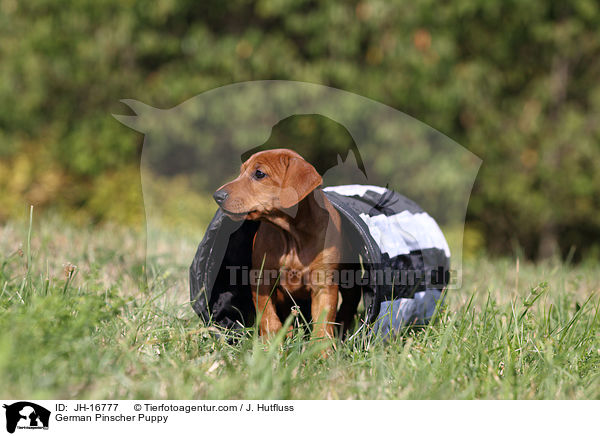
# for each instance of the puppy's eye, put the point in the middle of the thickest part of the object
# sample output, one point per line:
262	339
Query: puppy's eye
259	174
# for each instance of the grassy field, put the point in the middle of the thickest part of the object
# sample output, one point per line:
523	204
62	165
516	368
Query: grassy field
79	320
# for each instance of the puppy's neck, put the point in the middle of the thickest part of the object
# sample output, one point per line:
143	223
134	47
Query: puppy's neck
310	220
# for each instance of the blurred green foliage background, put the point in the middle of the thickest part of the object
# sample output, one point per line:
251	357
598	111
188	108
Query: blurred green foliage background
517	83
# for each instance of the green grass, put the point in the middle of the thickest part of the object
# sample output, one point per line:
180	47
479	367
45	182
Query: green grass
102	331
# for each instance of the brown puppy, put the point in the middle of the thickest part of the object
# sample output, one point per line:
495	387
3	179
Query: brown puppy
300	236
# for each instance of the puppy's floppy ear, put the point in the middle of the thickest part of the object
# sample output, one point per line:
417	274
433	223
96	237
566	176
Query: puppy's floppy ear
300	179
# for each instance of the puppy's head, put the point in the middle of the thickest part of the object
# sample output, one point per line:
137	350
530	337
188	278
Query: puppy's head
269	180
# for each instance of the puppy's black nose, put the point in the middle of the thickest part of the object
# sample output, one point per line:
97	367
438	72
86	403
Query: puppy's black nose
220	196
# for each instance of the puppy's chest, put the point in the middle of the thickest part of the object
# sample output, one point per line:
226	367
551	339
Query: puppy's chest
296	266
300	276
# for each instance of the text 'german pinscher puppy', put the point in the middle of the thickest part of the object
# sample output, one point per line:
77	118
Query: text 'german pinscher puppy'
300	236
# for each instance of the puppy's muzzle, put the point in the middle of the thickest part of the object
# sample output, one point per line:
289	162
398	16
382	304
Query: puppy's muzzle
220	196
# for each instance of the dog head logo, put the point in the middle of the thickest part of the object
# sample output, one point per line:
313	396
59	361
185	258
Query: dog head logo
26	415
302	132
293	171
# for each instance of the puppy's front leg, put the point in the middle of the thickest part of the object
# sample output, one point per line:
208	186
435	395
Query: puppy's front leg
265	309
323	310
